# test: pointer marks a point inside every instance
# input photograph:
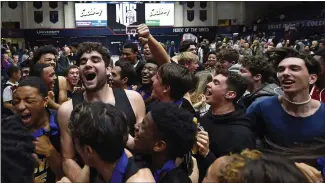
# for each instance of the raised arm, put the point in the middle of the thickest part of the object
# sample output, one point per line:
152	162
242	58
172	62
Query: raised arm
159	53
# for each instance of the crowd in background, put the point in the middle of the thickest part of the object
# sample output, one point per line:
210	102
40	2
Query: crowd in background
226	110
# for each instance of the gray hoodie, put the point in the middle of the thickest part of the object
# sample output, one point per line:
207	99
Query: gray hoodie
266	90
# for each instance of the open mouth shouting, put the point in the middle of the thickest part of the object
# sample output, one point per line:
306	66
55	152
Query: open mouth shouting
26	118
90	76
146	78
287	83
74	80
208	93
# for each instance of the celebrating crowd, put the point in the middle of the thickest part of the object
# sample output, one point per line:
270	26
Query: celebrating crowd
238	114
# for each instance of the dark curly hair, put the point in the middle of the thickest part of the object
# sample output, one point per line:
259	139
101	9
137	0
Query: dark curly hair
43	50
132	46
26	63
175	126
12	70
17	162
127	71
101	126
87	47
259	65
279	54
229	55
37	83
185	45
37	70
236	83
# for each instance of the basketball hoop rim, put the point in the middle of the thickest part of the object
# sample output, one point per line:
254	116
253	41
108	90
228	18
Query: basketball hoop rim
134	35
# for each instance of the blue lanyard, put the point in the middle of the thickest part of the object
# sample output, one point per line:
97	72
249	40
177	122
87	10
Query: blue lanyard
119	170
54	129
169	165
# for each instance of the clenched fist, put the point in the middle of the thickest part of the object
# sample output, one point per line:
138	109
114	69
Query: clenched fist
143	33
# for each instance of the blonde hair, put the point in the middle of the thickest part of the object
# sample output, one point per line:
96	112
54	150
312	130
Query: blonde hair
186	57
253	166
202	78
232	171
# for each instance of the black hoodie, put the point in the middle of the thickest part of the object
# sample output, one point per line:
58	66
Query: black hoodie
228	133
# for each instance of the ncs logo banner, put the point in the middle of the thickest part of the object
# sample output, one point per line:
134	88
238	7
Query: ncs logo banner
159	14
126	13
91	14
122	14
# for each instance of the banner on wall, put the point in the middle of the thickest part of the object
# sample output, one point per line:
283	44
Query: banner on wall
295	24
91	14
123	14
159	14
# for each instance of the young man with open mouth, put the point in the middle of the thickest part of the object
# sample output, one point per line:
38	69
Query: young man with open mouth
93	60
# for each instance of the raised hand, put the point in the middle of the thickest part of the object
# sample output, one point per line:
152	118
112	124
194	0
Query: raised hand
143	33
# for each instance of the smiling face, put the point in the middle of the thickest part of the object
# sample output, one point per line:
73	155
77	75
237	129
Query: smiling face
129	55
144	135
49	59
147	52
294	76
148	71
25	71
29	104
73	77
192	66
93	72
49	77
158	88
192	49
212	59
117	81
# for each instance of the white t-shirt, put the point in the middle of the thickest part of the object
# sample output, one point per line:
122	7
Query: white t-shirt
7	92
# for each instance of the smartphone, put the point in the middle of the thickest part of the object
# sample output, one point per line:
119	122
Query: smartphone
199	127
